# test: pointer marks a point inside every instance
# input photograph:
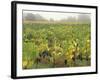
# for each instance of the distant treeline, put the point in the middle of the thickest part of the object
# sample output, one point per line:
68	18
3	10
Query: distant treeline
84	18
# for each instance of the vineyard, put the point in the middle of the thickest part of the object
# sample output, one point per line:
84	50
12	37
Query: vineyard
54	45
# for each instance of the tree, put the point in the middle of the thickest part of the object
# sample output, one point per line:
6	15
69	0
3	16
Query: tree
84	18
51	20
29	16
71	19
33	17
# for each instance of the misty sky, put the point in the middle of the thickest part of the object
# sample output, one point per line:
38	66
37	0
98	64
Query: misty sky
54	15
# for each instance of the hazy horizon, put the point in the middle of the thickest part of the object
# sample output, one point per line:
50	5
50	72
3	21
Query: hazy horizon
55	15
